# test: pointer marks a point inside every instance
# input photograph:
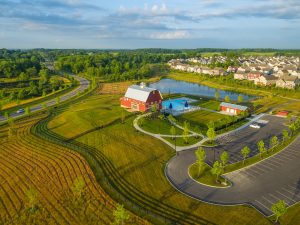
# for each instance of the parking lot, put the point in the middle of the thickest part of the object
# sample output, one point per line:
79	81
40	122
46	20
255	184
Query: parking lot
248	136
260	185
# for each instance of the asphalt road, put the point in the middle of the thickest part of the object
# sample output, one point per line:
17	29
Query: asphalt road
83	85
260	185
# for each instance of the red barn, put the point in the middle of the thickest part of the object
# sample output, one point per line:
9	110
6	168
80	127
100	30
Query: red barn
233	108
141	98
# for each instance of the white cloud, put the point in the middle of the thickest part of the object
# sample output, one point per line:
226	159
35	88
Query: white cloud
170	35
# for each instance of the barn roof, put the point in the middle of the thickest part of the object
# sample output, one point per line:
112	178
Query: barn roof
138	92
234	106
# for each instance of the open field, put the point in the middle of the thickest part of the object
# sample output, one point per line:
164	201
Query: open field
134	163
158	126
201	118
94	112
50	171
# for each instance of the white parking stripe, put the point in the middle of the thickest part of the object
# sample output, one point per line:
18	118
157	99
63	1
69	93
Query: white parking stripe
262	205
290	199
269	201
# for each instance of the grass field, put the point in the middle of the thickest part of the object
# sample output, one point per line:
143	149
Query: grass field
201	118
136	170
158	126
181	142
50	172
94	112
210	104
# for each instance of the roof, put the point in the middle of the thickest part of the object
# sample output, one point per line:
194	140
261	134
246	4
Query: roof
234	106
289	78
270	77
139	93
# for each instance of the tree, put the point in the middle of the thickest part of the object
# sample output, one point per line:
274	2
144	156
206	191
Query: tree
173	132
78	187
27	111
186	131
120	215
211	134
32	197
23	77
217	169
240	98
200	159
224	158
142	121
217	95
279	209
245	153
227	98
285	135
293	128
289	118
261	147
21	94
273	142
57	100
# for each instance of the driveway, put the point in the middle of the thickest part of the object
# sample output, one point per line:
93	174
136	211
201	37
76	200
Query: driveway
260	185
83	85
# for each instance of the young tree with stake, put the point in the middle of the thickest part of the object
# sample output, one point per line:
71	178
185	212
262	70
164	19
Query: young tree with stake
217	169
200	159
261	147
279	209
245	153
224	158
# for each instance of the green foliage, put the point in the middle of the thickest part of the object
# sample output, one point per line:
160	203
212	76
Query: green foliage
227	98
32	198
273	142
261	147
217	95
211	134
200	159
78	187
224	158
279	209
285	135
186	131
245	153
217	169
240	98
120	215
27	111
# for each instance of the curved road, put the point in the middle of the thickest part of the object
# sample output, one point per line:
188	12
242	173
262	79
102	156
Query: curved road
260	185
83	85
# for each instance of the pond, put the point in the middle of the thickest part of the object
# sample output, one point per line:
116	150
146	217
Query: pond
181	87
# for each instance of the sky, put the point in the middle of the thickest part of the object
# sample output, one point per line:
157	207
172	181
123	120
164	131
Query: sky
131	24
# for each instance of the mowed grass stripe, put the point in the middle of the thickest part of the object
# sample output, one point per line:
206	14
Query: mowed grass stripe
119	183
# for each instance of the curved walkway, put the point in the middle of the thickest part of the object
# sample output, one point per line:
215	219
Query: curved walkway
260	185
83	85
161	136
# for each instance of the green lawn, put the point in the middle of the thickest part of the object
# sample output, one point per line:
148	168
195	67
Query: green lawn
201	118
94	112
211	104
158	126
140	161
206	177
181	142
